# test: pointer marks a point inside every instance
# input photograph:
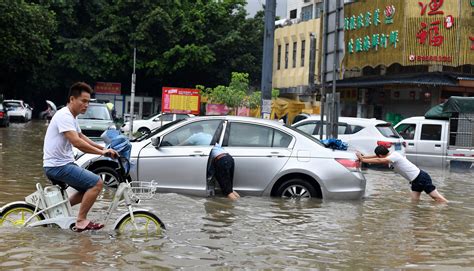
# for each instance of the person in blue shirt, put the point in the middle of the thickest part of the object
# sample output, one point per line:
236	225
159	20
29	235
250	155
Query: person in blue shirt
221	166
198	137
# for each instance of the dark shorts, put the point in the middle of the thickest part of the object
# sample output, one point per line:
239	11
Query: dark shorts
422	183
75	176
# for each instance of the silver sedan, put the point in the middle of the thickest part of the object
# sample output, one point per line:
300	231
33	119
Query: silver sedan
271	159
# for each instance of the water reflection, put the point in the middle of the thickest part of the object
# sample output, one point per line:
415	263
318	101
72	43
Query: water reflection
383	230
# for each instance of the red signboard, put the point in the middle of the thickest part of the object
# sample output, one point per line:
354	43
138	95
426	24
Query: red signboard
108	88
180	100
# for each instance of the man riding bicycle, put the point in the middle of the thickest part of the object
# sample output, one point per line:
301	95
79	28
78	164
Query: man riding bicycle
58	158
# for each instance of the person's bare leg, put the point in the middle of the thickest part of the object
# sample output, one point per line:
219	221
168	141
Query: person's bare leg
438	197
76	198
415	196
87	201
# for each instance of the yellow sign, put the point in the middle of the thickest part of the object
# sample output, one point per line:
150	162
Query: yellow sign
185	103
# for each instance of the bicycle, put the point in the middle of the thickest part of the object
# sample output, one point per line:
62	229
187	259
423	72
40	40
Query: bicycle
50	207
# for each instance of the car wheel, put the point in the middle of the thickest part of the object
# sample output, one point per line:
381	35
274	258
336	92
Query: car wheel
144	130
108	175
296	189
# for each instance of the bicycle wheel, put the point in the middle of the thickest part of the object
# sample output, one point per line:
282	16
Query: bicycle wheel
146	222
16	215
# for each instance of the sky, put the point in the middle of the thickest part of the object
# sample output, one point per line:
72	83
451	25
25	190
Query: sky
255	5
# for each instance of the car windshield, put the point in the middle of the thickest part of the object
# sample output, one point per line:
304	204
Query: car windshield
387	130
156	131
305	135
96	112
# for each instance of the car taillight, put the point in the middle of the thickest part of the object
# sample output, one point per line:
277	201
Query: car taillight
386	144
352	165
1	114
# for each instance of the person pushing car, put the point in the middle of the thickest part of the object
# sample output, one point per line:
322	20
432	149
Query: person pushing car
420	180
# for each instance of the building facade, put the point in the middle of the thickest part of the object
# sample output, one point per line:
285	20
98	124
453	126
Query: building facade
403	57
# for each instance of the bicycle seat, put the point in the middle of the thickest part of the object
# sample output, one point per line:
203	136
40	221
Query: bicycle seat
59	183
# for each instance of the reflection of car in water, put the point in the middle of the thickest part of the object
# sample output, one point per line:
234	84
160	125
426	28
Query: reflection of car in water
18	110
4	121
271	159
96	120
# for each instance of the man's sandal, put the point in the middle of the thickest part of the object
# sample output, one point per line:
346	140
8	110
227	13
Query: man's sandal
91	226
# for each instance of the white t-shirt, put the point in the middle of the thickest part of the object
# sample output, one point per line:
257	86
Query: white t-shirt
403	166
57	150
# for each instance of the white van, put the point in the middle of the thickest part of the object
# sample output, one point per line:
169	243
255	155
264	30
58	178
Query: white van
426	140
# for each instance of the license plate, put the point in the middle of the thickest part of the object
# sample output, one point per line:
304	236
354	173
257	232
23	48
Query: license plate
398	146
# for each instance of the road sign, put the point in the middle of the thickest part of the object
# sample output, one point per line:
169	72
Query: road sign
180	100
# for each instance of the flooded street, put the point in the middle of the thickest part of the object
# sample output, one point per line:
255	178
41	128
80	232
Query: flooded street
383	230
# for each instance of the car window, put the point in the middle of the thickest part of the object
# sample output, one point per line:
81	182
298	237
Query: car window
249	135
12	104
280	139
307	127
355	128
431	132
343	129
156	131
407	130
387	130
166	117
300	117
199	133
96	112
181	116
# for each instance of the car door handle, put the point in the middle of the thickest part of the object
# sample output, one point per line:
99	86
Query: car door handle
438	145
197	153
411	144
275	154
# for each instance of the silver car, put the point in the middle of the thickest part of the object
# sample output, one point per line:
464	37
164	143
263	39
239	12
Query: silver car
271	159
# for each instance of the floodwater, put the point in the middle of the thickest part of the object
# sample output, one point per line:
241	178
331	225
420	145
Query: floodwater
383	230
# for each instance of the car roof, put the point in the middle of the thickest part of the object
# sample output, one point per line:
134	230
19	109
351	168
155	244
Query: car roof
239	118
422	118
351	120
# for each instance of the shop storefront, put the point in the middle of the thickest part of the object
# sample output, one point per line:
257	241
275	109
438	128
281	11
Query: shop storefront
402	57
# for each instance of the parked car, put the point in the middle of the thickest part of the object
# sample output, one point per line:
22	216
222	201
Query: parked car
4	121
96	120
271	159
18	110
146	125
360	134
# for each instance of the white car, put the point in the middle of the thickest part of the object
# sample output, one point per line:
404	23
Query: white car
145	126
360	134
18	110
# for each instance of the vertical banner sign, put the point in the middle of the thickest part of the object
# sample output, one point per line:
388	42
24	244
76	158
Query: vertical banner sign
180	100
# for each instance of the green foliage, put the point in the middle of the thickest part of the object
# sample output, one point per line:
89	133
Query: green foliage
179	43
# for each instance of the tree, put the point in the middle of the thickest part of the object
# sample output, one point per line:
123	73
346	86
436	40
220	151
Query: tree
25	44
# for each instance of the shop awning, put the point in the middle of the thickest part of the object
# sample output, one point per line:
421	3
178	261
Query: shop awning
426	79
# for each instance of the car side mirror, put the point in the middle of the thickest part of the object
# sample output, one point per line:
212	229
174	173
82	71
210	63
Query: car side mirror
156	141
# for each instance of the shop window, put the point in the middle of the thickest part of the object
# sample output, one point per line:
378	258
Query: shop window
307	13
294	54
287	49
293	14
279	57
303	44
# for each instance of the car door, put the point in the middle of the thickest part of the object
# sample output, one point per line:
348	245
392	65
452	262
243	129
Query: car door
409	133
176	167
430	148
259	153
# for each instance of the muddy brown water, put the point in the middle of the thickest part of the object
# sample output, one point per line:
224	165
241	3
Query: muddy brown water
383	230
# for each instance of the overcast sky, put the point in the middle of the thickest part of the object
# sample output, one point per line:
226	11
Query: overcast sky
255	5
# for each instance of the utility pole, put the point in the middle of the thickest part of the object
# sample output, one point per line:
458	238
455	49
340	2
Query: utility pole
132	98
267	65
